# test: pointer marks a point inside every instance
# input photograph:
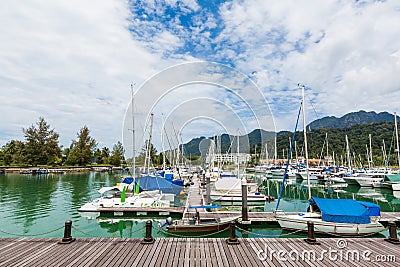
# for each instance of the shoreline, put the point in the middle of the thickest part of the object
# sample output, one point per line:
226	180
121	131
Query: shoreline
57	170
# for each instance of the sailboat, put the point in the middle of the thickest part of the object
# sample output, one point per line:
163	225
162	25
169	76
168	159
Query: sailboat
339	217
146	192
197	224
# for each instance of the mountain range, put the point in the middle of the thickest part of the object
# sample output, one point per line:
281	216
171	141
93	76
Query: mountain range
360	117
252	141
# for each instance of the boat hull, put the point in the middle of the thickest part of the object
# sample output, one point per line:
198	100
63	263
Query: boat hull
299	223
395	186
198	228
181	226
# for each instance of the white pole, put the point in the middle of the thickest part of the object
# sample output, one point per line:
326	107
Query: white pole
133	141
275	153
162	143
397	139
149	144
305	142
238	164
348	153
327	150
370	150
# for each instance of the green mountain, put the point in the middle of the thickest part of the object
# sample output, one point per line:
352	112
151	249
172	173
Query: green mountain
332	130
247	143
353	118
382	137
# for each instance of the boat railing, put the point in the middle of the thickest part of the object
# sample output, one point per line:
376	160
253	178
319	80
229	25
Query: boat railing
279	212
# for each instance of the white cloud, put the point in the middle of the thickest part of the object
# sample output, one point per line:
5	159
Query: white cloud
344	51
71	62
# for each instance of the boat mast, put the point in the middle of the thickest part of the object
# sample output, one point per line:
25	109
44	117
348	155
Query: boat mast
275	153
384	157
348	153
162	144
148	152
238	163
370	150
327	150
133	139
368	157
397	138
305	143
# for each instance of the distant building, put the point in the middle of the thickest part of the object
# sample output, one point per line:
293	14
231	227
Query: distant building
230	158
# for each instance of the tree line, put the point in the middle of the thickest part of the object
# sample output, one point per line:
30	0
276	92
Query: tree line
41	147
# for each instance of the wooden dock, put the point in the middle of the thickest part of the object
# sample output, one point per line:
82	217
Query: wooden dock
141	211
198	252
254	217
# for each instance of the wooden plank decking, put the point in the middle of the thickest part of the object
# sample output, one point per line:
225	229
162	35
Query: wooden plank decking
198	252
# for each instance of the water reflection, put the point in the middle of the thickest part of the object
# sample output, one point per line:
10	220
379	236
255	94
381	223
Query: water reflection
37	204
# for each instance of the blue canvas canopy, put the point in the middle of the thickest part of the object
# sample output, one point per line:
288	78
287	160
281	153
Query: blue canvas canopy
344	210
127	180
155	182
374	209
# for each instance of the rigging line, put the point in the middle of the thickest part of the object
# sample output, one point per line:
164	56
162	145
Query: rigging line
169	144
322	151
287	163
312	105
390	149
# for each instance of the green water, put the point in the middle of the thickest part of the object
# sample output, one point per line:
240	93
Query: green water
39	205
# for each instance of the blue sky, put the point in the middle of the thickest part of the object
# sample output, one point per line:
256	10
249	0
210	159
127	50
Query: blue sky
72	62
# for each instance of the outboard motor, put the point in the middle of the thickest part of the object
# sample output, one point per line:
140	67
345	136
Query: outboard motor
167	221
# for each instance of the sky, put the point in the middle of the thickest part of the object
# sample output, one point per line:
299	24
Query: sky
201	67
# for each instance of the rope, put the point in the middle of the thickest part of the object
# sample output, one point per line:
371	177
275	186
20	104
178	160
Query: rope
87	234
27	235
80	231
185	236
271	235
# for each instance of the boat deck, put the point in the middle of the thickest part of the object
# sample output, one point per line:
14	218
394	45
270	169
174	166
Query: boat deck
198	252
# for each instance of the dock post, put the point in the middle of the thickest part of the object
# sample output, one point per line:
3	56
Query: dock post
392	233
148	239
232	240
67	233
208	189
245	216
310	234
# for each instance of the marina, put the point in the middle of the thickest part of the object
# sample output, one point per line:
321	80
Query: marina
200	133
33	205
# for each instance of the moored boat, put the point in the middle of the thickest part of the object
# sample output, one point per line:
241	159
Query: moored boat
197	224
342	217
113	197
339	217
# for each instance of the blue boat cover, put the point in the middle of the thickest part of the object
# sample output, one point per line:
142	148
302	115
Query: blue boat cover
128	180
155	182
374	209
344	210
177	182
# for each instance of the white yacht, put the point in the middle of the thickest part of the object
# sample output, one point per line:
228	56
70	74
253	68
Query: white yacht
112	197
